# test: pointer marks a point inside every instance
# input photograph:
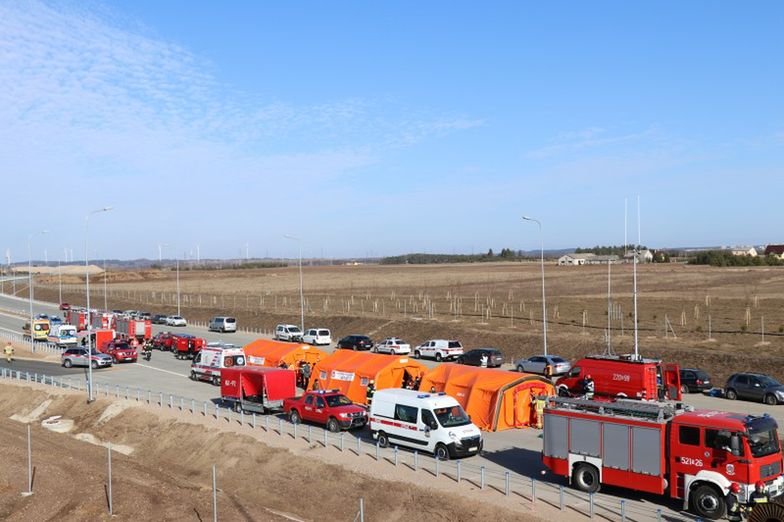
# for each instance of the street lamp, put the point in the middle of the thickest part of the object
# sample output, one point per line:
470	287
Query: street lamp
301	293
544	303
87	284
30	282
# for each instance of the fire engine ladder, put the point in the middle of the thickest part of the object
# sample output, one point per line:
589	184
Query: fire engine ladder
657	411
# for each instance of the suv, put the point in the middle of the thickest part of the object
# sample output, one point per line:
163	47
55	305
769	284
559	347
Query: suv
288	332
439	349
222	324
120	351
328	408
317	336
754	386
355	342
78	357
694	380
393	345
474	357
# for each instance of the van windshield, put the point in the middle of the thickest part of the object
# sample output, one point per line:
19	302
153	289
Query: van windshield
452	416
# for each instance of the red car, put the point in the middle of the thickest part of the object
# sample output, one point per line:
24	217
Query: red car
65	306
163	341
120	351
329	408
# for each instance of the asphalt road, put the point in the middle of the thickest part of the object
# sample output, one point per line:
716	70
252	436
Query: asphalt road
517	451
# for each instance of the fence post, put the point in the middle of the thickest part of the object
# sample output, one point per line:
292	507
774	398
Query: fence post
295	431
109	447
149	397
160	399
29	461
254	420
416	460
182	404
506	483
658	515
214	497
205	408
242	418
217	409
325	437
533	491
359	446
560	498
395	452
481	477
117	390
457	465
280	426
138	394
377	448
310	434
623	510
341	440
590	504
361	509
171	402
193	406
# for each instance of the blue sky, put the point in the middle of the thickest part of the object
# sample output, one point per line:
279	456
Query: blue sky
388	128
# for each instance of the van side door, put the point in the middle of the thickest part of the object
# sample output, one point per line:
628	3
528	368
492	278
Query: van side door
428	426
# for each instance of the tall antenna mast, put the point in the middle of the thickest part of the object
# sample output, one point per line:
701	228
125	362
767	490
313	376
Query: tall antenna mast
609	307
636	256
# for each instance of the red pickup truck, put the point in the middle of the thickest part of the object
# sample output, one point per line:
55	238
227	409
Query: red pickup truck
163	341
329	408
120	351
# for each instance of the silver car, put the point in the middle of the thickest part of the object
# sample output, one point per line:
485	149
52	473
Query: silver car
538	363
78	357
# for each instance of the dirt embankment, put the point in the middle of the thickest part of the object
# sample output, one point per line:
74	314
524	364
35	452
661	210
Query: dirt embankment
167	473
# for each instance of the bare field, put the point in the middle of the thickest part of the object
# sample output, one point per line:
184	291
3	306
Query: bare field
715	315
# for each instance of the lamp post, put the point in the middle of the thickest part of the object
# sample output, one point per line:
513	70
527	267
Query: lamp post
544	302
30	281
178	286
105	297
87	285
301	292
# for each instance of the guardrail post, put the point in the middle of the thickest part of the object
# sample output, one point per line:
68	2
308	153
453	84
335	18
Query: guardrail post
193	406
658	515
590	504
171	402
377	448
160	399
182	404
295	431
359	446
438	471
481	477
416	460
325	437
395	452
310	434
457	472
506	483
533	491
205	408
217	409
117	390
138	394
266	423
280	426
254	420
149	397
560	497
623	510
341	440
242	418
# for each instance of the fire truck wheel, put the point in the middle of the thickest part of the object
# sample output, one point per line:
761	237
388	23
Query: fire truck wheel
216	380
707	502
294	417
586	478
770	400
731	394
383	440
333	425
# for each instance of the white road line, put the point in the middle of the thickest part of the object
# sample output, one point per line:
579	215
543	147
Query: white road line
161	370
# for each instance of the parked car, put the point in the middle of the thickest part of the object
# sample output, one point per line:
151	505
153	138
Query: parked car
355	342
78	357
120	351
474	357
439	349
163	341
118	312
538	363
694	380
317	336
393	345
288	332
158	319
755	387
65	306
329	408
222	324
176	320
145	316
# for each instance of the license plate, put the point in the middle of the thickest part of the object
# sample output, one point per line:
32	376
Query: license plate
473	448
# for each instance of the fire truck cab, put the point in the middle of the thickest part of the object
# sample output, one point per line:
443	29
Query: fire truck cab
663	448
624	376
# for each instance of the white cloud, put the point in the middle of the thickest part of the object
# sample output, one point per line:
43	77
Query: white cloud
571	142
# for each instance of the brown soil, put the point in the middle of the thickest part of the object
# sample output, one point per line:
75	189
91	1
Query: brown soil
168	475
494	304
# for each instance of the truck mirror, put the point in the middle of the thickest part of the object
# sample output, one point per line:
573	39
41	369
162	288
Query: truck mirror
735	445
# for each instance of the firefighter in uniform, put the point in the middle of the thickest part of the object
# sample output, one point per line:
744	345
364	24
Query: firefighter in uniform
588	387
734	506
9	352
759	496
538	403
371	389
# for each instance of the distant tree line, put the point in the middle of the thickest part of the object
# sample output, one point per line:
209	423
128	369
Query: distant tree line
506	254
608	250
725	258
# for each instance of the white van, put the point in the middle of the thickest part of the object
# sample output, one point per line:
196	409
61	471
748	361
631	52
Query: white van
432	422
288	332
439	349
209	361
317	336
222	324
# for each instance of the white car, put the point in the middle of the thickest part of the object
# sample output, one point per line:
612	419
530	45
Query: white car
394	346
288	332
176	320
317	336
439	349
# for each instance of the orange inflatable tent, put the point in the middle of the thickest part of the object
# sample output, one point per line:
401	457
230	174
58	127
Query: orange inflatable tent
265	352
495	399
350	372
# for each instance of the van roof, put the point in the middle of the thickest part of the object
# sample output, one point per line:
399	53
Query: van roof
434	400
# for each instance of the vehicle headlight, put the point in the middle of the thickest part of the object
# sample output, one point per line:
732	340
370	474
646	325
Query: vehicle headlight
780	394
343	415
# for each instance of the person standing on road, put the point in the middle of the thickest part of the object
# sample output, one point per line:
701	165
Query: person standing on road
9	352
305	375
588	387
483	360
759	496
371	389
734	513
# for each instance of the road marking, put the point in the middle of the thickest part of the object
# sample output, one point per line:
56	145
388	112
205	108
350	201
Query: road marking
161	370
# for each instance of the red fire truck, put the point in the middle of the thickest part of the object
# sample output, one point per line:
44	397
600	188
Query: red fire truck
129	328
664	448
624	376
77	317
102	320
186	346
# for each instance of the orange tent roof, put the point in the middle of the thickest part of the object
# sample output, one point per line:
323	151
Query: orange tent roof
495	399
351	372
266	352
